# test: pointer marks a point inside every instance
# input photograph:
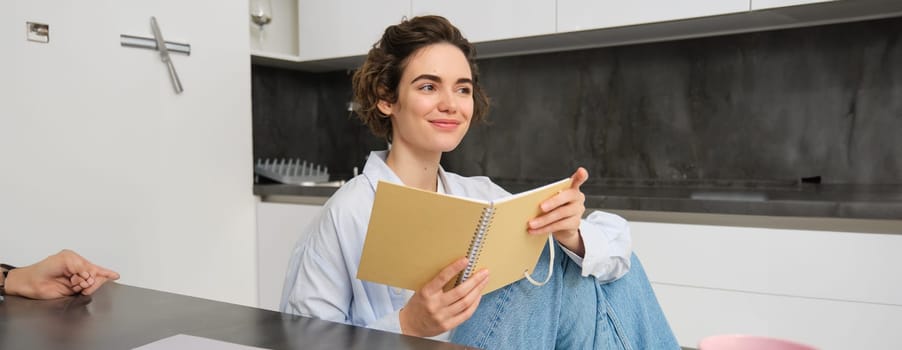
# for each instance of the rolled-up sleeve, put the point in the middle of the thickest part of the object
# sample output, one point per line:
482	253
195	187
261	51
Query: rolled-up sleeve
608	245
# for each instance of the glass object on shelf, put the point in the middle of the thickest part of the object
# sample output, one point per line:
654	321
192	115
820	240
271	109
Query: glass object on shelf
261	12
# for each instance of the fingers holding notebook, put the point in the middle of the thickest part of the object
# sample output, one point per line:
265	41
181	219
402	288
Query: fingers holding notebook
432	310
563	214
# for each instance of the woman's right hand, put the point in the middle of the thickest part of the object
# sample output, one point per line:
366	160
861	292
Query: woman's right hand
432	311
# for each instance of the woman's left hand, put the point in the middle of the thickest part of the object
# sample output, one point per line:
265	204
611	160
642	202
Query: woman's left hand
59	275
563	214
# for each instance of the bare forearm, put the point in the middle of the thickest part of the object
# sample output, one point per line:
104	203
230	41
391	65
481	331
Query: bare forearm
573	241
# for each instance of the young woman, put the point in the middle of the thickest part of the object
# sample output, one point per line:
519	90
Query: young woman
419	88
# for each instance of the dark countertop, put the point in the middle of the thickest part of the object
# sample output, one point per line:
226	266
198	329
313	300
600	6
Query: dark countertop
724	197
119	316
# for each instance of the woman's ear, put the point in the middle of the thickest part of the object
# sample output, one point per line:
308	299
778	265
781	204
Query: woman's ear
384	107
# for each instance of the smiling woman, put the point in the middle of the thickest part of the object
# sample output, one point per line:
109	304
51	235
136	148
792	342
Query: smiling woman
384	68
419	88
434	102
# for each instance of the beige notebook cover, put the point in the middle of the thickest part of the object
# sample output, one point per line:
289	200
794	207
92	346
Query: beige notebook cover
413	234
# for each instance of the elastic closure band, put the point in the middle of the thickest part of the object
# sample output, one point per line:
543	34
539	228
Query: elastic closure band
550	265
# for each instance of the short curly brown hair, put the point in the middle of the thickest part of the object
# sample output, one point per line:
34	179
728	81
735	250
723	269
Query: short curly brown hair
378	78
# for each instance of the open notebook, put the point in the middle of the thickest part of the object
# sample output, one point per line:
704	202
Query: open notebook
413	234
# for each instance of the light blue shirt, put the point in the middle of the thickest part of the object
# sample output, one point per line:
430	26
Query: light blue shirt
321	278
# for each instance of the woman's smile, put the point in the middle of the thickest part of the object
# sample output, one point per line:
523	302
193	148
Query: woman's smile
445	124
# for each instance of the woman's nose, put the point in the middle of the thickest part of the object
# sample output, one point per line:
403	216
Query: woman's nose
447	102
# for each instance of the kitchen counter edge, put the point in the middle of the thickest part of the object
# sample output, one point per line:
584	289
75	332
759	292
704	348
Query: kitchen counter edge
838	216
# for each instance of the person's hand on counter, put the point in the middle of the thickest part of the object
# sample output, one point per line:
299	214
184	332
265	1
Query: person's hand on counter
62	274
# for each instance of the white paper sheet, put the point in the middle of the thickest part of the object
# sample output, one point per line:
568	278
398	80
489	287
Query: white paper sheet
184	341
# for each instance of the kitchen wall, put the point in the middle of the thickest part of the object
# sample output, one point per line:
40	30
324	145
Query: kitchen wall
769	106
100	155
305	115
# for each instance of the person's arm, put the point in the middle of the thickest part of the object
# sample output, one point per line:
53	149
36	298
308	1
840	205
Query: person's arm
608	246
62	274
317	283
3	271
601	243
432	311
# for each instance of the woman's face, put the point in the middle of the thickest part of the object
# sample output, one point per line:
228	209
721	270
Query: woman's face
435	100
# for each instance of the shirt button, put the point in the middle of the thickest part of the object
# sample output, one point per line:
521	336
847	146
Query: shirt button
396	290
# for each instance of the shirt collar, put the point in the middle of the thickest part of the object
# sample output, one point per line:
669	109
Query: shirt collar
376	169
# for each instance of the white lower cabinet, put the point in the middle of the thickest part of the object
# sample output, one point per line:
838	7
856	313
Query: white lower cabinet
279	227
832	290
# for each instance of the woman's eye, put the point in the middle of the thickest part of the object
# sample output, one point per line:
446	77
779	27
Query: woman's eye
427	87
464	90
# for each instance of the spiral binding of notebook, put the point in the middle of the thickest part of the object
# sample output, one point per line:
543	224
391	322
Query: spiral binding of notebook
475	248
291	171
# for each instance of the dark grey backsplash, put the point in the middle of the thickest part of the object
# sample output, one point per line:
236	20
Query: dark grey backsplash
305	115
759	107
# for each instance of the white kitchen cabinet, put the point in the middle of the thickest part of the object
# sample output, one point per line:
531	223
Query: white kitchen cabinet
493	20
832	290
279	38
576	15
279	227
766	4
102	156
335	35
342	28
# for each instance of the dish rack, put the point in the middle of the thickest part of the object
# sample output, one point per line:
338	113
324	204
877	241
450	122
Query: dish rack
291	171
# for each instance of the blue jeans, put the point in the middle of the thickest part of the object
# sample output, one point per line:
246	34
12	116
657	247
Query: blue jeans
570	312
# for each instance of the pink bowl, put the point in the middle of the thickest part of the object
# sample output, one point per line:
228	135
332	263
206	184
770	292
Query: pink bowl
748	342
